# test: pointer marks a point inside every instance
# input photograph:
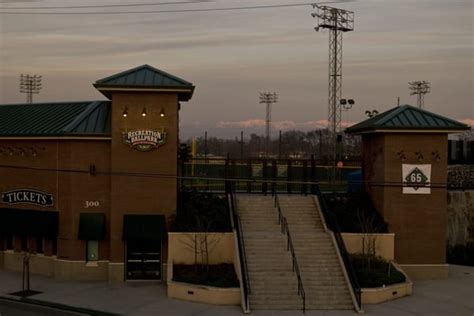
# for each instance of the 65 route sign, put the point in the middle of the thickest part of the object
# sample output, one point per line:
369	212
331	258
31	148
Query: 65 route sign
416	179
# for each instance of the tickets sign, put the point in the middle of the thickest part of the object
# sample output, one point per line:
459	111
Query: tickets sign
28	197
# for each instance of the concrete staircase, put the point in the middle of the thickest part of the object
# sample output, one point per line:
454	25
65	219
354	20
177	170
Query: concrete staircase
273	283
321	271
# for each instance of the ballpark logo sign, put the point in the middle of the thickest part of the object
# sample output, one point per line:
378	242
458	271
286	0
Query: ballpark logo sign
416	179
28	197
145	139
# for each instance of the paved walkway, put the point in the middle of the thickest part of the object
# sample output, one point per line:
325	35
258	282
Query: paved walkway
453	297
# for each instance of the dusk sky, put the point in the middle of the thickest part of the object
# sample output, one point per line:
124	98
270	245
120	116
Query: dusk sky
230	56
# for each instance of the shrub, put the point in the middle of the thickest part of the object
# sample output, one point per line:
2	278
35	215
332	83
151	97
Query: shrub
375	271
461	254
219	275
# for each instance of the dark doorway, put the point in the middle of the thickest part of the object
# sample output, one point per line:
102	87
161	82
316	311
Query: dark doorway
143	260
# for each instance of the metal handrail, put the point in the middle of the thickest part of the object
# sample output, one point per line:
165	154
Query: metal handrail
235	219
334	225
285	230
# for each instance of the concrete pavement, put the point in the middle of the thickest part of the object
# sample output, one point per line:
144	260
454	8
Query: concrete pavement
454	296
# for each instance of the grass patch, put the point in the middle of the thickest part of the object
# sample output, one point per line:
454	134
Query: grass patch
375	271
219	275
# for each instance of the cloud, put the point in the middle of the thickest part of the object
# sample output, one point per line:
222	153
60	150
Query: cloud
279	125
467	121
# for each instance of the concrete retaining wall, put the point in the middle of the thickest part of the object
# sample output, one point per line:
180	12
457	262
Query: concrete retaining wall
181	248
384	243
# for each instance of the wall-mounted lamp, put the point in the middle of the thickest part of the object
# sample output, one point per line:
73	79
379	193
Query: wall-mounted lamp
419	156
162	113
436	156
125	112
144	112
401	155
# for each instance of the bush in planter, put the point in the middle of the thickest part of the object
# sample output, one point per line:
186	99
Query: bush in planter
203	213
461	254
375	272
219	275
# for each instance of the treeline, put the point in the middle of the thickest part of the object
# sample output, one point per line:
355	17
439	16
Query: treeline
290	144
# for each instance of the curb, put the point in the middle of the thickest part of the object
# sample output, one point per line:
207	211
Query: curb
57	306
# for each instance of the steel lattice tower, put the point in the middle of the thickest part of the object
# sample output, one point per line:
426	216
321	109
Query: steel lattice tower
30	85
420	88
268	99
337	21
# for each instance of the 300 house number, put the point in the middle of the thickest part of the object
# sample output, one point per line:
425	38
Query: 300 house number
88	204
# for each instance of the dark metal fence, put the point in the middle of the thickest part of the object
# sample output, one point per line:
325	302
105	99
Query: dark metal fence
461	152
263	175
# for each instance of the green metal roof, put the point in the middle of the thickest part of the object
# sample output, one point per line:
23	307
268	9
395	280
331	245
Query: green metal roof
408	118
145	76
56	119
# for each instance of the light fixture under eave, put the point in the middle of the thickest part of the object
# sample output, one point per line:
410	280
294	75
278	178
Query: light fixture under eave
419	156
162	113
144	112
125	112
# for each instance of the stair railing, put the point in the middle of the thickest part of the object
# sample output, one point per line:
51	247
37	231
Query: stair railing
235	221
331	220
285	230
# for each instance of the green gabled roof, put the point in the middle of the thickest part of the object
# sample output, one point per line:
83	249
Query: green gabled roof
145	77
56	119
407	118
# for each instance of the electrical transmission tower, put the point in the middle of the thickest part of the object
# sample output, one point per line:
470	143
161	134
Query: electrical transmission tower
337	21
30	85
268	98
420	88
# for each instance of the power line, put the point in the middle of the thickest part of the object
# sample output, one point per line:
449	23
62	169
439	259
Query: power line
107	5
172	11
432	185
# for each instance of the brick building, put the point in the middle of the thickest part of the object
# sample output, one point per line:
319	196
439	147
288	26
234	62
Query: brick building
89	187
404	162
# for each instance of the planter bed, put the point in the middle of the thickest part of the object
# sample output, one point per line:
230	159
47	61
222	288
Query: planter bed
219	275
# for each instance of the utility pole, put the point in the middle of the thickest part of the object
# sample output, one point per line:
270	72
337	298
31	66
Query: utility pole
337	21
279	146
420	88
30	85
241	144
205	146
268	98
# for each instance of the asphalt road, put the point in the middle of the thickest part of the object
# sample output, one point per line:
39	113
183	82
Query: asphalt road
12	308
